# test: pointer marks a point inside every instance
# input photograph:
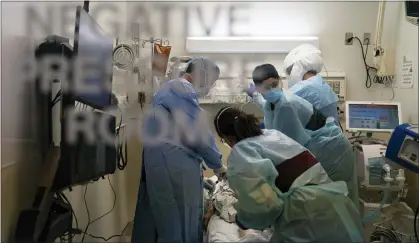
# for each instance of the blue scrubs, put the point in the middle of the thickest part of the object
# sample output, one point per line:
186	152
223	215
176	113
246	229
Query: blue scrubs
170	198
316	91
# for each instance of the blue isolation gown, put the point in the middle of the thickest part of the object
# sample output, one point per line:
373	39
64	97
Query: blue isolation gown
316	91
320	212
170	197
290	115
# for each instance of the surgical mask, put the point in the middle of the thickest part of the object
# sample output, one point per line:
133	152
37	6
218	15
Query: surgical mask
272	95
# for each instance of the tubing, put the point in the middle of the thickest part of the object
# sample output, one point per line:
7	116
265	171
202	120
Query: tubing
376	212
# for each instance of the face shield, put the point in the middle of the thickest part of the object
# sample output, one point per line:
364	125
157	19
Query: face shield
205	75
301	60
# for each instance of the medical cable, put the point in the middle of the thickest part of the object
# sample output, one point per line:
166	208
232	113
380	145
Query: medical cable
62	197
368	80
78	231
122	148
415	224
113	206
57	98
88	214
376	212
357	139
100	217
340	125
327	73
386	233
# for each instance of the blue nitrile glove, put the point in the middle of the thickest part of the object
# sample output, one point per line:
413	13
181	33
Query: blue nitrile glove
251	90
262	125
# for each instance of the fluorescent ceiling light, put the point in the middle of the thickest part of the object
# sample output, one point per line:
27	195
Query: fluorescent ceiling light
251	44
247	38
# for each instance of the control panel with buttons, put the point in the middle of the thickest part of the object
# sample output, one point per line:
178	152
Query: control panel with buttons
338	87
409	151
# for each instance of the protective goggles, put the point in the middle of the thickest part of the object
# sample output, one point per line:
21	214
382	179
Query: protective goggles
262	88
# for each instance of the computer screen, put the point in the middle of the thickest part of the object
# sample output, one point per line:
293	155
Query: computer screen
91	43
412	9
374	117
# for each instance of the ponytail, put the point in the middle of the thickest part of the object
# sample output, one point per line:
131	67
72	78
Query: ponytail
234	122
246	126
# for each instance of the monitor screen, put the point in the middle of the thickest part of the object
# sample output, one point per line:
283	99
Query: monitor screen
412	9
373	116
91	43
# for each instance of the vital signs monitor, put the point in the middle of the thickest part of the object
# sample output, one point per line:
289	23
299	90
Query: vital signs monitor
367	116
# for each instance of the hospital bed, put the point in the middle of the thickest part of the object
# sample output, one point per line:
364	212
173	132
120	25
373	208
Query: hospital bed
221	226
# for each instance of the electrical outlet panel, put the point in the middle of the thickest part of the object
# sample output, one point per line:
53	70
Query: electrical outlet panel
349	35
367	39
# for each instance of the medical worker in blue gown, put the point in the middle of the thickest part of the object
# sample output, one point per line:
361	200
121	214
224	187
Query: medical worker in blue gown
303	65
170	198
280	184
302	122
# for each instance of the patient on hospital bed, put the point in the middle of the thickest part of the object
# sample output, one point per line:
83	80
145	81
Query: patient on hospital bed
220	214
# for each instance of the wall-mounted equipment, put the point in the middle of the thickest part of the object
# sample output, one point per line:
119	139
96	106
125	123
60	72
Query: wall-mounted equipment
383	56
145	68
412	12
337	81
123	56
247	45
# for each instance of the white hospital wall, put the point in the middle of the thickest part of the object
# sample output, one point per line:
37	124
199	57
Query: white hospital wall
403	36
327	20
20	159
406	46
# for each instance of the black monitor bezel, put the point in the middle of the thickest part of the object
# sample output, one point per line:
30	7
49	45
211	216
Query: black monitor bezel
409	13
75	51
